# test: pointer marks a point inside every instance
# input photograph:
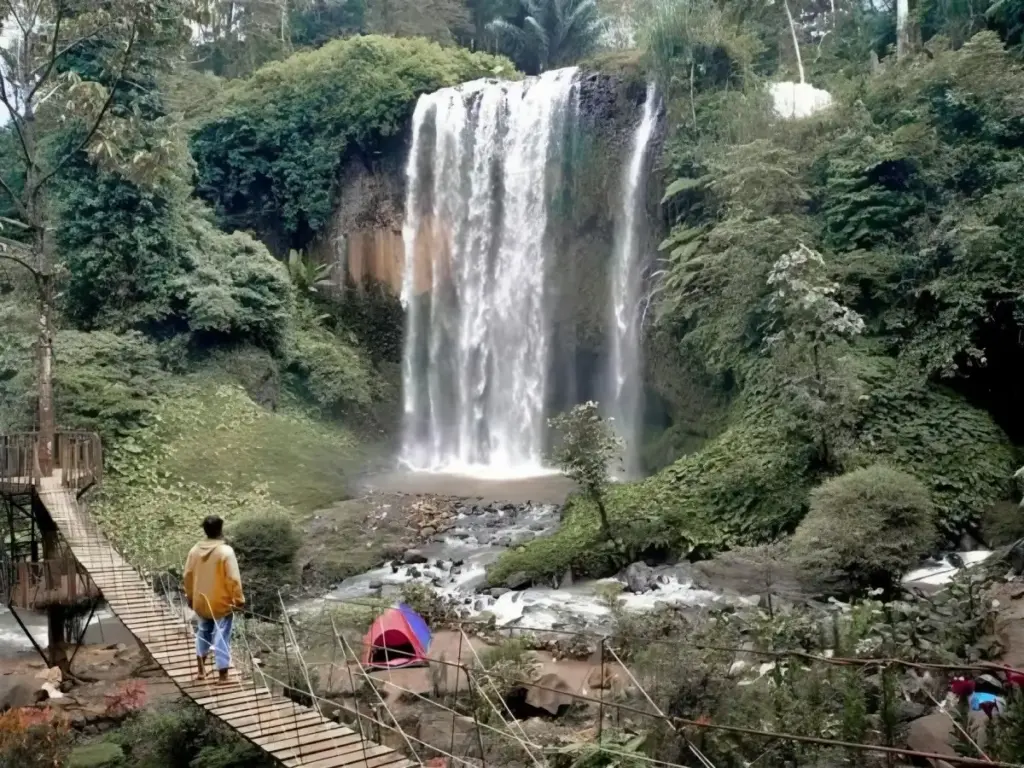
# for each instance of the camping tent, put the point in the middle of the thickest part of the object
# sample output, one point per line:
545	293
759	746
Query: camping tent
398	638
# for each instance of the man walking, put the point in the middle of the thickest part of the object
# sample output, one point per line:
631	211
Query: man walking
213	589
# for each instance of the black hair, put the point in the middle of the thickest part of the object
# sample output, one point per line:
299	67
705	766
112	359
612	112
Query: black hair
213	527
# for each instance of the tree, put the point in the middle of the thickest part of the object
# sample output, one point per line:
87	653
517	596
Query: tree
551	33
49	101
440	20
809	324
586	450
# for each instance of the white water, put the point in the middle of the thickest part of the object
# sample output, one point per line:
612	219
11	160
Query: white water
796	100
477	344
624	374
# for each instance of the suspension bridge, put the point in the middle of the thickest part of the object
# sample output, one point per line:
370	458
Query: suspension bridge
49	529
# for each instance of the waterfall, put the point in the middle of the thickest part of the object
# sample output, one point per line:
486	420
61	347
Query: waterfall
623	402
475	363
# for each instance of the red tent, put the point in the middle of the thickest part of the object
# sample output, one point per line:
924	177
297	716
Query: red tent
398	638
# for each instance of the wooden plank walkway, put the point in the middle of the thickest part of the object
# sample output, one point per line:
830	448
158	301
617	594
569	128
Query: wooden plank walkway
292	734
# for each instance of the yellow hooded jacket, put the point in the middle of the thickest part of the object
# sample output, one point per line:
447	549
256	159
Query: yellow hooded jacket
213	585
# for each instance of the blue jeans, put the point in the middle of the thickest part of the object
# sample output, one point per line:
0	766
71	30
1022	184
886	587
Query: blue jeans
215	633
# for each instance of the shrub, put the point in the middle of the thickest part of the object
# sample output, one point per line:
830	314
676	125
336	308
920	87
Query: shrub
107	382
270	159
33	738
1002	524
865	529
435	609
266	548
182	734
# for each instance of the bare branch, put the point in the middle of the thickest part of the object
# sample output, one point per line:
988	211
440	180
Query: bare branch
99	117
4	255
15	121
53	53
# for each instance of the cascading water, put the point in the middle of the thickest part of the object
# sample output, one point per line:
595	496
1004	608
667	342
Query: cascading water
477	344
624	374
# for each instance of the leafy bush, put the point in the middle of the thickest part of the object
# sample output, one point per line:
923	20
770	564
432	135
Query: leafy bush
865	529
182	735
33	738
335	374
1002	523
269	159
955	448
435	609
266	548
745	487
212	450
235	290
107	382
502	669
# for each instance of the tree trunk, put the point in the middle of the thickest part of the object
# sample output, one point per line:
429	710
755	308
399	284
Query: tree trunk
826	453
605	524
796	42
902	28
56	614
44	349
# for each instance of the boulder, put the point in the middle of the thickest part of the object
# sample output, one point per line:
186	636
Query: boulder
1016	557
640	578
554	695
518	580
19	691
433	726
934	733
749	571
597	680
413	557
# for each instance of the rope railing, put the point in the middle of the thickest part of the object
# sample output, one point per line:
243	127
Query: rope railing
77	454
672	721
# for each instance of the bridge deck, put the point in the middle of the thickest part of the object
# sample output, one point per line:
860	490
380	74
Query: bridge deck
293	735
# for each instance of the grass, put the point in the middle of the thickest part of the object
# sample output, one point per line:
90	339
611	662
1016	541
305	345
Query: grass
211	450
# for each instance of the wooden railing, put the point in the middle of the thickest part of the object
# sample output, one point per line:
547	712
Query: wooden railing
78	456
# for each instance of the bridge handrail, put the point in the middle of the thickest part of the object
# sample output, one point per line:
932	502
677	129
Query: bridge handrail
78	454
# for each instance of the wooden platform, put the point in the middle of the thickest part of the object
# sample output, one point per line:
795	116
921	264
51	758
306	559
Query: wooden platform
292	734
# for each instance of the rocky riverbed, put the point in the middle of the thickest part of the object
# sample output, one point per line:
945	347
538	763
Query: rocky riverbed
450	541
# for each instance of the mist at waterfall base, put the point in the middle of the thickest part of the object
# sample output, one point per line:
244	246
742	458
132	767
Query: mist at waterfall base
485	361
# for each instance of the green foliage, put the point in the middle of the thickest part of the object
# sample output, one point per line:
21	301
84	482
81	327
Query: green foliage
149	259
864	530
435	609
266	548
587	446
236	291
182	735
334	373
211	450
100	754
269	158
502	669
549	33
746	486
106	382
956	449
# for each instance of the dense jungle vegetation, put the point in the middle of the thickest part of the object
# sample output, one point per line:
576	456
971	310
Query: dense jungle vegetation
849	286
